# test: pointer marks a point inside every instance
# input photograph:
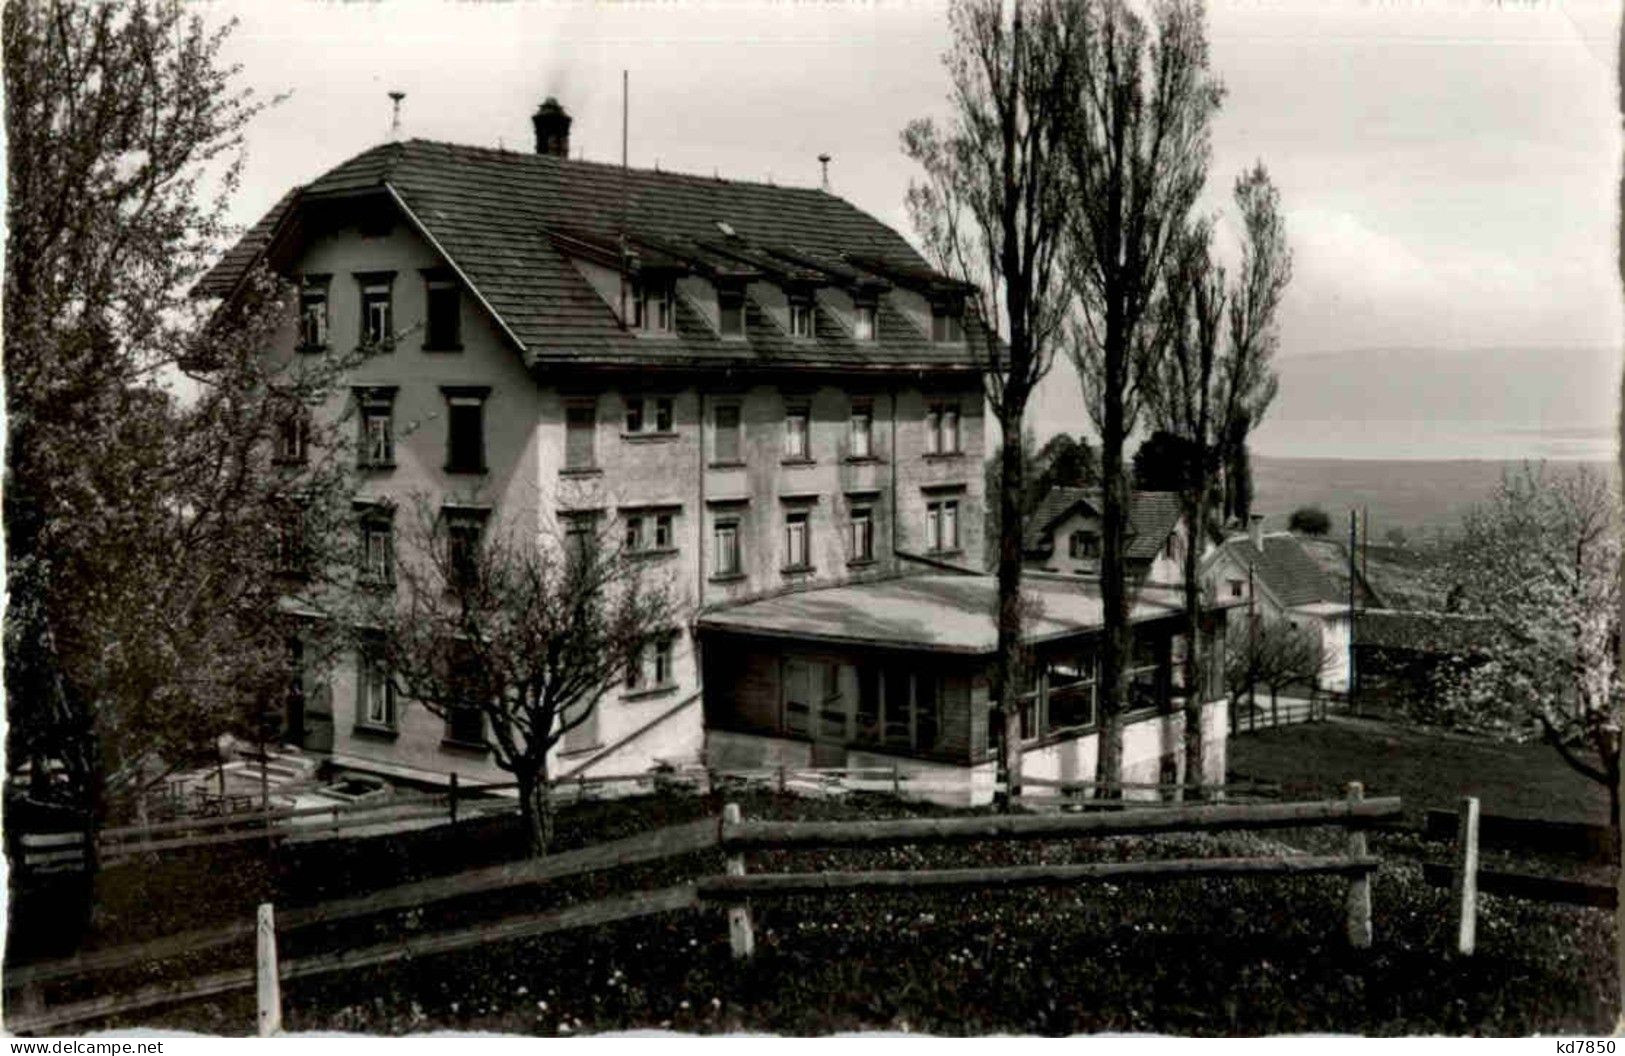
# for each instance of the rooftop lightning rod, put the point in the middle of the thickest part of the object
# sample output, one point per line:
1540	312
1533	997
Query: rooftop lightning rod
625	193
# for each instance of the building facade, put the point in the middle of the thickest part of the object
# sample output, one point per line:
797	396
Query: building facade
761	389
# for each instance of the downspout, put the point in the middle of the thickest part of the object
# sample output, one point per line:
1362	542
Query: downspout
892	457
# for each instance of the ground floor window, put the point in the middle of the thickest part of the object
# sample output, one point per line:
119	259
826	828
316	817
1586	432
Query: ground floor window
377	703
885	706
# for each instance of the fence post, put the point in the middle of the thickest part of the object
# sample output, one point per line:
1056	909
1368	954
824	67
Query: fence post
267	986
782	779
452	797
896	781
741	935
1359	898
1466	878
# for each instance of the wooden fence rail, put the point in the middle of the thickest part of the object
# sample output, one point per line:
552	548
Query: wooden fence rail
788	834
669	842
733	888
729	833
604	911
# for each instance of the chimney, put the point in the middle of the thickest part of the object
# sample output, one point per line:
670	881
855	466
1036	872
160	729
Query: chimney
552	126
1255	531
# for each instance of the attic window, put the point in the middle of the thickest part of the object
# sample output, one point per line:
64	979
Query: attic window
652	305
866	322
1084	546
947	323
731	312
801	318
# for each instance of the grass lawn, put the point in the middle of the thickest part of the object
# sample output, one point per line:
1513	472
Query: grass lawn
1426	769
1187	957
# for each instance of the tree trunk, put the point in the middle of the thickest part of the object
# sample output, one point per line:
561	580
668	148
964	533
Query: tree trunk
1194	747
1115	642
1005	665
535	810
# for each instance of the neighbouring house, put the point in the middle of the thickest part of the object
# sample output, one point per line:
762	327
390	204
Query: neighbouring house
1063	535
1399	653
766	388
1276	577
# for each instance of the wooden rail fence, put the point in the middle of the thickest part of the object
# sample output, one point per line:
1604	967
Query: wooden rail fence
1467	880
734	890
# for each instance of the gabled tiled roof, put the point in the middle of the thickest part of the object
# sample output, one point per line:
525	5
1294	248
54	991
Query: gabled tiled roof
1285	569
497	215
1152	517
1438	633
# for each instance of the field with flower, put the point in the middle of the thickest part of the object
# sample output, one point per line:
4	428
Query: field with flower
1195	957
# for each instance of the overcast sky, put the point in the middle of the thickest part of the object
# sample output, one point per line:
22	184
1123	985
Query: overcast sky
1449	167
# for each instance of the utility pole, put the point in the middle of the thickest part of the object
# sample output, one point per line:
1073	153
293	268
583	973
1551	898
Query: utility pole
1353	704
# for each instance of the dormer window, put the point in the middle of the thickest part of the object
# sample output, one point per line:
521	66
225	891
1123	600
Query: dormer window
652	306
801	319
731	312
947	324
866	322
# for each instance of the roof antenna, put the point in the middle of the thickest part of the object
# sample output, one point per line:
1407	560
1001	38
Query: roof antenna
626	92
395	115
823	161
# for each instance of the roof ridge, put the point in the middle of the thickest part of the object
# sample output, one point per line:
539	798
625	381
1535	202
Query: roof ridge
674	174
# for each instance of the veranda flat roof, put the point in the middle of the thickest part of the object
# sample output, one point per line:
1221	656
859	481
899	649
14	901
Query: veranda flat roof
936	612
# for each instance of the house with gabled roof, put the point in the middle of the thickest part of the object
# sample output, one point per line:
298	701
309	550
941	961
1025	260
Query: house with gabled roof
766	389
1063	535
1276	577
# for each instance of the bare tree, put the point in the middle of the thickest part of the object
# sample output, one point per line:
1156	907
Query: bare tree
513	639
1207	388
1137	146
991	211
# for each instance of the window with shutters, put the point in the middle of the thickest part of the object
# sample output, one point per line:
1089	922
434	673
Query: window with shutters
797	545
375	706
377	548
465	428
377	421
580	436
862	432
797	423
942	429
377	310
942	525
293	437
725	435
444	310
863	535
725	548
313	312
464	532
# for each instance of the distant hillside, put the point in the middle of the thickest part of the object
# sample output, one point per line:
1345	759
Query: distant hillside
1416	497
1442	404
